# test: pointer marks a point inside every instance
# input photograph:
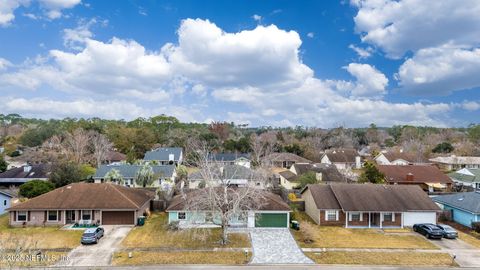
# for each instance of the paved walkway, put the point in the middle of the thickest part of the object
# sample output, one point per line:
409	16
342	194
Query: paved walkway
276	246
98	254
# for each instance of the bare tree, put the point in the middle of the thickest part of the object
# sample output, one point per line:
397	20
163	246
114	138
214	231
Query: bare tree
262	145
219	198
101	145
76	144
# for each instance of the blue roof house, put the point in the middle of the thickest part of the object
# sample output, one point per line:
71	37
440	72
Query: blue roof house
165	155
464	206
5	199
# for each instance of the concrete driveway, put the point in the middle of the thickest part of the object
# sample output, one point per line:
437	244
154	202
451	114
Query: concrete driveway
275	246
98	254
466	254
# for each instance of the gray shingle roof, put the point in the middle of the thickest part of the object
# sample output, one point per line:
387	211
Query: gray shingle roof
229	172
162	153
466	177
129	171
468	201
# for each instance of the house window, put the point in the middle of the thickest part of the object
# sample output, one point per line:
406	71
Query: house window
4	202
182	216
22	216
355	216
52	216
331	215
86	214
388	217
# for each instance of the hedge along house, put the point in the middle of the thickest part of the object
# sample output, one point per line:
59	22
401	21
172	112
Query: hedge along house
270	211
464	207
368	205
163	173
105	204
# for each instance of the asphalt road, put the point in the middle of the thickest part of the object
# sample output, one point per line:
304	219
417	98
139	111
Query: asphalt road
253	267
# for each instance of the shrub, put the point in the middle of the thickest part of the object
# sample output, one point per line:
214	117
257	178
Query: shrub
35	188
292	197
308	232
476	226
173	226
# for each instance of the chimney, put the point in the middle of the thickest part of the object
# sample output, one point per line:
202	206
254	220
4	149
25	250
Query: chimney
27	168
409	177
358	163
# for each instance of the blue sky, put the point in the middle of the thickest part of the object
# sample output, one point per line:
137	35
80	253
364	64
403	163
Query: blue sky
278	63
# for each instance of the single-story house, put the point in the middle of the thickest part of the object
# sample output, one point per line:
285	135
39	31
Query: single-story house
165	155
105	204
326	173
163	173
368	205
242	159
114	157
464	206
285	160
5	200
342	158
271	211
429	177
397	158
453	162
23	174
466	177
235	175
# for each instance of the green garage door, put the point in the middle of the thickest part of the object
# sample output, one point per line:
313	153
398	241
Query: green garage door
271	220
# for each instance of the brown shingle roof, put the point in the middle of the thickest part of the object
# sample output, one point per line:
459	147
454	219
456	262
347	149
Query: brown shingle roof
370	197
290	176
323	196
88	196
421	174
342	155
115	156
269	201
329	172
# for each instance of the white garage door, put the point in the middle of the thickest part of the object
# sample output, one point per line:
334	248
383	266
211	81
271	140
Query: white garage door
410	218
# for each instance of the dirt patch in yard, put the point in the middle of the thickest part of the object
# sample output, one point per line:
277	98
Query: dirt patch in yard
382	258
182	257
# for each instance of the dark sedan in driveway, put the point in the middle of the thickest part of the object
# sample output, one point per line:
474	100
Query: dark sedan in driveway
429	230
448	231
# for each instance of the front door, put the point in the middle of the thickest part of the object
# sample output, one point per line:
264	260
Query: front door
375	219
70	216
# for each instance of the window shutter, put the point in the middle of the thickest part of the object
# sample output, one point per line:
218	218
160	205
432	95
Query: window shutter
393	217
45	216
14	215
326	215
336	215
28	215
361	216
59	217
349	216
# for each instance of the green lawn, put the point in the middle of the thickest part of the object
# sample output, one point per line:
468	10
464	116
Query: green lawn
339	237
383	258
155	234
37	237
182	257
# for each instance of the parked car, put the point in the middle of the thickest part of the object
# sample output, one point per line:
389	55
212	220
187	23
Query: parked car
429	230
91	236
448	231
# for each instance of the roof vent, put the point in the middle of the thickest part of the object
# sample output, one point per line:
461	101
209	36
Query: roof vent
409	177
27	168
461	198
69	187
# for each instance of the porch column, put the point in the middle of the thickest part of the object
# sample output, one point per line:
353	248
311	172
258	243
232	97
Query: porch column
346	219
369	219
381	220
64	216
401	216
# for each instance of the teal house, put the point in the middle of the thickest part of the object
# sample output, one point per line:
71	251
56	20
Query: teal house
464	206
271	212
